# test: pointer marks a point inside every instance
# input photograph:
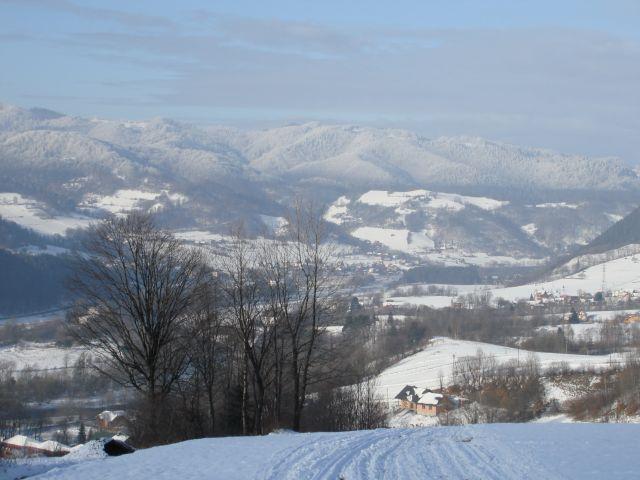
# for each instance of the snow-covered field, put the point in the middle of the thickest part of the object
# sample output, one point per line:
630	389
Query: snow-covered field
620	274
434	200
431	301
515	451
200	236
125	200
398	239
39	355
30	214
425	367
581	331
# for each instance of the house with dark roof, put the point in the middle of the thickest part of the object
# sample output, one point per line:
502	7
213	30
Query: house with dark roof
427	402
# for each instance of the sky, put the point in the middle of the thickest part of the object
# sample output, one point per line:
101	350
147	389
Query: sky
561	74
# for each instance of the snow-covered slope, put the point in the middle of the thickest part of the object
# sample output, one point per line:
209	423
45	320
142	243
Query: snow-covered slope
500	452
39	355
425	222
619	274
425	367
31	214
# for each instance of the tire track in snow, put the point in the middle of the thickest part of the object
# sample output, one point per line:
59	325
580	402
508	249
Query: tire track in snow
440	453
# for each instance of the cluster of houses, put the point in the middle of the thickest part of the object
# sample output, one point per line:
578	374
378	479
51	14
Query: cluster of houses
112	421
620	297
21	446
427	402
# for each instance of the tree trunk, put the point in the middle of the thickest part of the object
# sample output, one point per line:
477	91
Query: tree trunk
243	412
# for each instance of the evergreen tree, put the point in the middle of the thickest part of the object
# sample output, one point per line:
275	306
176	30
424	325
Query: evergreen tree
82	434
574	316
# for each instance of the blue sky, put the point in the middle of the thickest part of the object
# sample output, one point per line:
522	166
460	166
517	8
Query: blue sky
557	74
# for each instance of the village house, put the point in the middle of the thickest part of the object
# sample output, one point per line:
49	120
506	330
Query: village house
113	421
631	319
426	402
21	446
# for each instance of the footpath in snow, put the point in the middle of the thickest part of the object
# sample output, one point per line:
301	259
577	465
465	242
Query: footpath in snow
514	451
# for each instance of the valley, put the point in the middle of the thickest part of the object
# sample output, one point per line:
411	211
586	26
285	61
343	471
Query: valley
441	259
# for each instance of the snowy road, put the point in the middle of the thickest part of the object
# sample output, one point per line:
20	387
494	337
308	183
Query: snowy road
516	451
434	452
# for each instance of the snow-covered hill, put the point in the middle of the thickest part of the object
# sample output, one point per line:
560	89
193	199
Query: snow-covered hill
427	366
433	225
515	451
620	273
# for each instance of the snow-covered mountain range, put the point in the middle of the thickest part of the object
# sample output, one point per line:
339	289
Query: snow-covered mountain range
346	155
472	194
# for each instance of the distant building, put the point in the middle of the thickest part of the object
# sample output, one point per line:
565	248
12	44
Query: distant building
427	402
632	319
113	421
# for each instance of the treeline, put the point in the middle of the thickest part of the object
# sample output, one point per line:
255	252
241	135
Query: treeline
14	236
442	274
20	387
614	396
508	392
31	282
234	344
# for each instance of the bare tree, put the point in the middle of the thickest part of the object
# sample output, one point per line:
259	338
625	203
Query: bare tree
207	341
299	277
252	321
135	285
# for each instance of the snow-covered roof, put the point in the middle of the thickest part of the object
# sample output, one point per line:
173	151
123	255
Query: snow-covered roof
430	398
427	397
26	442
111	415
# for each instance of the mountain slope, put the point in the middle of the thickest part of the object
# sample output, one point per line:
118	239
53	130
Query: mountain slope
351	156
370	157
226	175
622	233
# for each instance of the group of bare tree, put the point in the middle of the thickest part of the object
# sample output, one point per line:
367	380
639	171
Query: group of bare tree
511	391
612	394
213	344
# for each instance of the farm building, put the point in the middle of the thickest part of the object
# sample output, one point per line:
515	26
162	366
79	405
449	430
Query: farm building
426	402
